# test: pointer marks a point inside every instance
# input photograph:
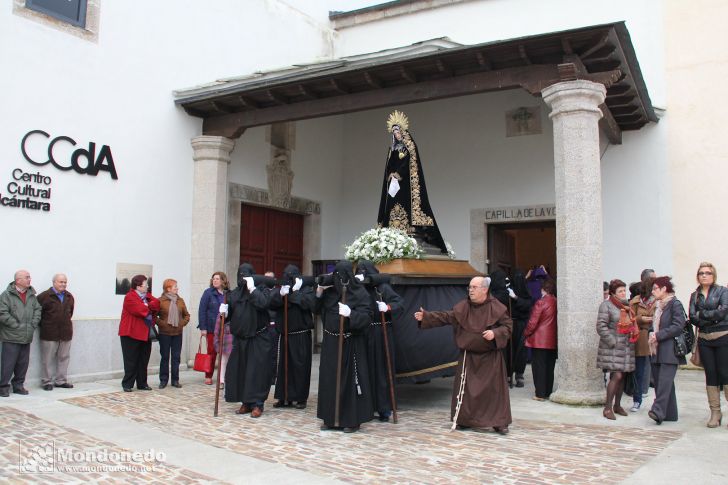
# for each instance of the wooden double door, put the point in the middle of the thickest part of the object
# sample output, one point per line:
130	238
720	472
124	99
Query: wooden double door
522	245
270	239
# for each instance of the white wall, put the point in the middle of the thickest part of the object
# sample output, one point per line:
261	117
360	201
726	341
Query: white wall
636	203
118	92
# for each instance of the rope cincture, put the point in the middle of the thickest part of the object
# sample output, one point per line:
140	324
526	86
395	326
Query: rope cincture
461	392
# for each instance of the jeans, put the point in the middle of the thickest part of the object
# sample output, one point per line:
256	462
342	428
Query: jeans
639	377
169	343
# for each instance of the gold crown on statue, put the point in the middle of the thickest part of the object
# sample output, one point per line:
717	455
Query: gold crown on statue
397	118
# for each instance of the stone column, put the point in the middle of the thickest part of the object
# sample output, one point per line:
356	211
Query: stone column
575	114
209	219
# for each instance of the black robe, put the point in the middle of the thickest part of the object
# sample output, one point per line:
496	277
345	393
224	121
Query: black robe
356	397
520	309
409	209
377	355
301	305
248	372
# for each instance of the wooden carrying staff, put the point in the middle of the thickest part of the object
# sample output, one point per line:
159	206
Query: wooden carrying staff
389	362
285	349
220	344
510	313
337	408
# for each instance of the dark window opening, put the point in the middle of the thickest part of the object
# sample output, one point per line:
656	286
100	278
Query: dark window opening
71	11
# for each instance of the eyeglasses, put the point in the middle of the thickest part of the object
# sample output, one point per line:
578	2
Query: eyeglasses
705	273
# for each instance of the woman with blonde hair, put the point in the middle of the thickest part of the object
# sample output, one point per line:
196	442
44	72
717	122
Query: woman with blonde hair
171	320
208	313
709	312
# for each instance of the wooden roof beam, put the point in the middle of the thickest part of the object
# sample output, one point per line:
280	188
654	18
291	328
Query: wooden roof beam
275	97
247	102
221	107
483	62
443	68
618	90
532	78
610	126
601	43
407	75
306	92
372	80
338	86
524	55
566	46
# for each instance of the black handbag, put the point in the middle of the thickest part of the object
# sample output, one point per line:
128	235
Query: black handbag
681	347
630	383
688	333
153	333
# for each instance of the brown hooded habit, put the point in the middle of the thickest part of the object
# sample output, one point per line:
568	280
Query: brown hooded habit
485	401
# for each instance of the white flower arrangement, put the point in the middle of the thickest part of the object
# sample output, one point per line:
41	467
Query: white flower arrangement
450	251
383	244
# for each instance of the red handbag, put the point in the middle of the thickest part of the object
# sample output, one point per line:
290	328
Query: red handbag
203	362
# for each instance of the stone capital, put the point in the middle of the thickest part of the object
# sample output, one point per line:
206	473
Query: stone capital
207	147
574	96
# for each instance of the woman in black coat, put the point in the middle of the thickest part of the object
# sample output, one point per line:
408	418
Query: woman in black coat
709	312
668	323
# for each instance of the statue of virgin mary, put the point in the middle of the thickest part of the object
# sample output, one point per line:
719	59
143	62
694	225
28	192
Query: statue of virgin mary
404	203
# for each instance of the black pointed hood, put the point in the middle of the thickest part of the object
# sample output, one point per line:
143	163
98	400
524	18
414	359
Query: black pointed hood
245	270
291	272
366	267
518	283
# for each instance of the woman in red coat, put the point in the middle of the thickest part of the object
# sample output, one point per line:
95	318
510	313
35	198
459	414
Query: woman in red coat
137	316
540	334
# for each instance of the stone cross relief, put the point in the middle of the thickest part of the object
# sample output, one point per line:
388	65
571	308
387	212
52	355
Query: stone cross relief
280	178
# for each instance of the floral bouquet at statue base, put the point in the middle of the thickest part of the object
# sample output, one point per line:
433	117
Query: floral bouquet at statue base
383	244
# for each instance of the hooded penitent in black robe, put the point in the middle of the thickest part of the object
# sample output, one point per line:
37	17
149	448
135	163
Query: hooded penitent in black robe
520	308
301	305
485	401
409	209
377	355
248	373
356	397
498	286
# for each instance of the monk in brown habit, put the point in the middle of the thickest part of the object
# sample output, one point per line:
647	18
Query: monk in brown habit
482	328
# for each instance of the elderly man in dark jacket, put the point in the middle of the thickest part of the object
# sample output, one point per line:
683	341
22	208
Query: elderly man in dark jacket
19	317
56	332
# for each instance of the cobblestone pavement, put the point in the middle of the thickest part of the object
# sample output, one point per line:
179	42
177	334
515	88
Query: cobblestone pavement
33	450
419	449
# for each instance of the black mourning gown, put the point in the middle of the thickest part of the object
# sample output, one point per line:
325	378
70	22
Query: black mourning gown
409	209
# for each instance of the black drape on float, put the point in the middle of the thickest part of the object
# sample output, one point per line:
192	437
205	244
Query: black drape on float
409	209
421	355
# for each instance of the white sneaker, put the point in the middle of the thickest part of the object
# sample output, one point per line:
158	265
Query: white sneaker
635	407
